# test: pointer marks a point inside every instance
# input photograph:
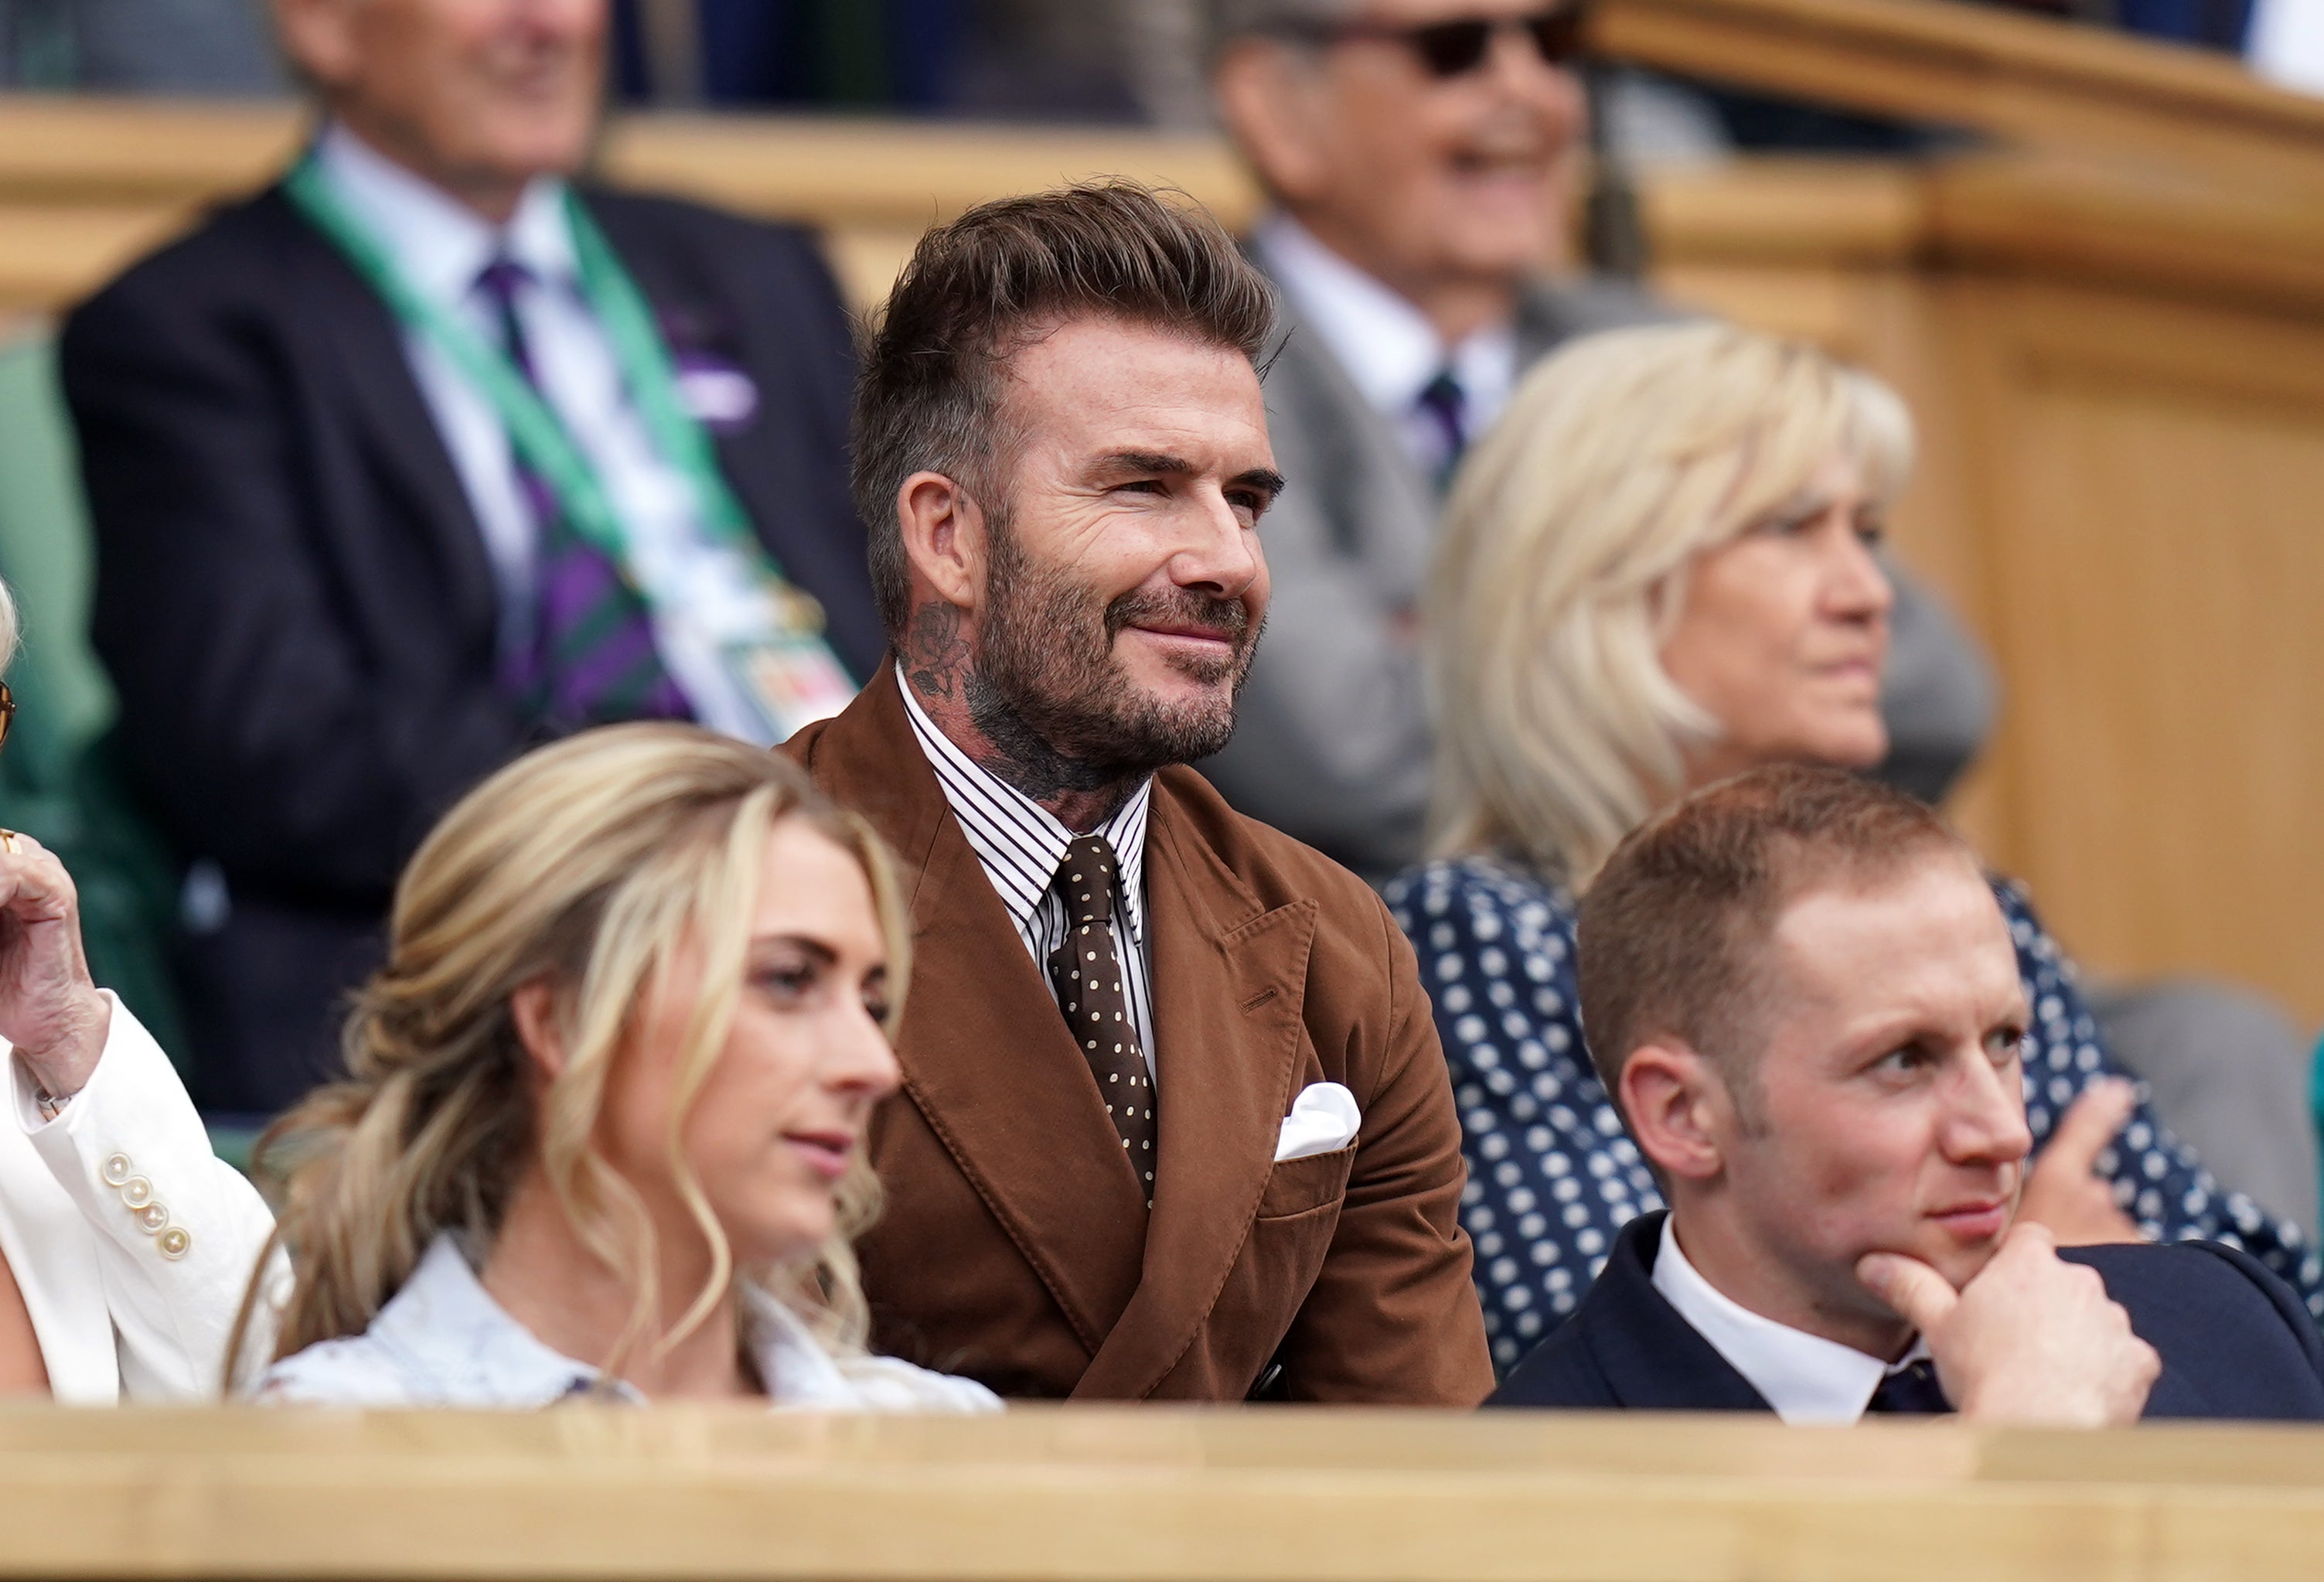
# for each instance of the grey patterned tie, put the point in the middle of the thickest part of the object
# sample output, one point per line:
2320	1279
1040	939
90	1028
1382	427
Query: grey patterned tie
1086	973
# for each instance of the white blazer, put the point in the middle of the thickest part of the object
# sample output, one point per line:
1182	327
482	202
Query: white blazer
131	1240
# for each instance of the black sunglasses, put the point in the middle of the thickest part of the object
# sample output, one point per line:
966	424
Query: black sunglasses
1452	49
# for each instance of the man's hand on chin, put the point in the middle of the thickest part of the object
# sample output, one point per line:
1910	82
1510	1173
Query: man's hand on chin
2031	1340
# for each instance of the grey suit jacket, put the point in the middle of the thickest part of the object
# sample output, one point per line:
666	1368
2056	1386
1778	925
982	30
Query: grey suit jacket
1333	742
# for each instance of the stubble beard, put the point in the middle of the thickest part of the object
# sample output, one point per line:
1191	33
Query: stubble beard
1048	691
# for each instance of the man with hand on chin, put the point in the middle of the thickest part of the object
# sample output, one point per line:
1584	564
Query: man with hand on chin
1799	990
1177	1124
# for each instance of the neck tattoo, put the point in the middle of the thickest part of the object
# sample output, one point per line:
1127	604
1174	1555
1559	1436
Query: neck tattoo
993	732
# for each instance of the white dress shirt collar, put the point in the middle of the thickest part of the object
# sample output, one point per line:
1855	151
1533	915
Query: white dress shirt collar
1021	843
1387	345
438	244
1806	1378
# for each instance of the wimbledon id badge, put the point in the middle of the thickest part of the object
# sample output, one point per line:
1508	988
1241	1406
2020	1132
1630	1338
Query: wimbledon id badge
788	672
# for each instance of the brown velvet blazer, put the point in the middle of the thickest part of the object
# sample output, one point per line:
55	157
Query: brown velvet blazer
1008	1250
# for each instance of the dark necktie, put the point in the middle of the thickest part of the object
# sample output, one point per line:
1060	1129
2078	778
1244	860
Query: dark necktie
1912	1389
1446	404
1086	972
592	659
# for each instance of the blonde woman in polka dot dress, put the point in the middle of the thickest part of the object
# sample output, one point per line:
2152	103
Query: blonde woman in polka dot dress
1658	570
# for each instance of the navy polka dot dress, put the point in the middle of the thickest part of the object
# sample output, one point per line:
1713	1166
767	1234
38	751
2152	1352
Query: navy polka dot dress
1553	1175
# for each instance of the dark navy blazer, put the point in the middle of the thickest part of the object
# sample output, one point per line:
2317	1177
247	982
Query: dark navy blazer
296	604
2234	1342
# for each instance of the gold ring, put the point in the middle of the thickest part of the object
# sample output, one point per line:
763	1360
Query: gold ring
8	839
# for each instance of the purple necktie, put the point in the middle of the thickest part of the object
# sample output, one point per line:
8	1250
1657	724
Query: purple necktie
592	659
1443	401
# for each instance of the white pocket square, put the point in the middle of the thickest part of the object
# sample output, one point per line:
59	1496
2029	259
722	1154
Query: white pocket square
1322	1120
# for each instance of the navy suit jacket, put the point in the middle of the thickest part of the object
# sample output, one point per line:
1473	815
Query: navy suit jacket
296	602
2234	1342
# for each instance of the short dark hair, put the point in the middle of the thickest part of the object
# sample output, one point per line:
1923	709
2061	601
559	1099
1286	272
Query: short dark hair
1671	930
977	290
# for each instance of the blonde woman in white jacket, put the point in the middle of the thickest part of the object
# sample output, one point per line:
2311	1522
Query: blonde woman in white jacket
125	1244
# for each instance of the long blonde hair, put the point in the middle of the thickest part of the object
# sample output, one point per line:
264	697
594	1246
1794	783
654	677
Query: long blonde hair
584	864
1561	569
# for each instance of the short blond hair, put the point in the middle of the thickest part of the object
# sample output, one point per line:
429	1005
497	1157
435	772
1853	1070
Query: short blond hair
586	864
1560	566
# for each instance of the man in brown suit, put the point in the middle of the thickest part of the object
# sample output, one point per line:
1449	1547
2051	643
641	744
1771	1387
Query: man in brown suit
1176	1124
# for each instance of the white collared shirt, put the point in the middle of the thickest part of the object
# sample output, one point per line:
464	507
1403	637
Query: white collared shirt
1388	346
1019	844
695	584
1806	1378
442	1340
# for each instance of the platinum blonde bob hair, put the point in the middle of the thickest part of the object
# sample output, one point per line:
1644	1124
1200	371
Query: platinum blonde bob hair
1561	562
589	864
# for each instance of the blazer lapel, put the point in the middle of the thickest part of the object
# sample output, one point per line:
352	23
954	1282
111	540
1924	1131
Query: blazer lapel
986	1057
1331	439
362	346
1652	1358
1230	987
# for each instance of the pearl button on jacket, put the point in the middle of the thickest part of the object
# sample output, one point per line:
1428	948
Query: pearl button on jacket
131	1240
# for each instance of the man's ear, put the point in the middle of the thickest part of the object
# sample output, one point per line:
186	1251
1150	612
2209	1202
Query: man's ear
944	537
1268	98
533	1008
318	37
1674	1101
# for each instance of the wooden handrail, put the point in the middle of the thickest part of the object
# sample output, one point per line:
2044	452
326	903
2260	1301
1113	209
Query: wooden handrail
84	185
1141	1494
2028	214
95	152
2027	81
902	173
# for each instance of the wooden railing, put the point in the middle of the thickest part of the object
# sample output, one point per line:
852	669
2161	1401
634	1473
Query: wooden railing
2027	81
1152	1494
85	185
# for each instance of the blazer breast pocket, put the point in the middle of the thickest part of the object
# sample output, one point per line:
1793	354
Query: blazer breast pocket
1300	1186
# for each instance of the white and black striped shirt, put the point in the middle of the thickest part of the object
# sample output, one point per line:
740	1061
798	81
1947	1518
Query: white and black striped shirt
1019	843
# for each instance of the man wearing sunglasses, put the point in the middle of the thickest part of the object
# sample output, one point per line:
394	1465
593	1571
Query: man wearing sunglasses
1419	154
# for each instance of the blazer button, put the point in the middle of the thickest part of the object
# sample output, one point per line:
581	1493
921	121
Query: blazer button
153	1217
174	1242
117	1169
137	1191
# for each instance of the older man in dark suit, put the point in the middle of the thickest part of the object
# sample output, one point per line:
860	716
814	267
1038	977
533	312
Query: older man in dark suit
424	454
1800	991
1177	1124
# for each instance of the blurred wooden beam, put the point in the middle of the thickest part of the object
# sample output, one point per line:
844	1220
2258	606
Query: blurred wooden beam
1137	1494
2025	81
93	150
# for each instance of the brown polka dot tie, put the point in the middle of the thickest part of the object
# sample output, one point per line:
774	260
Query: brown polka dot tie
1086	972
